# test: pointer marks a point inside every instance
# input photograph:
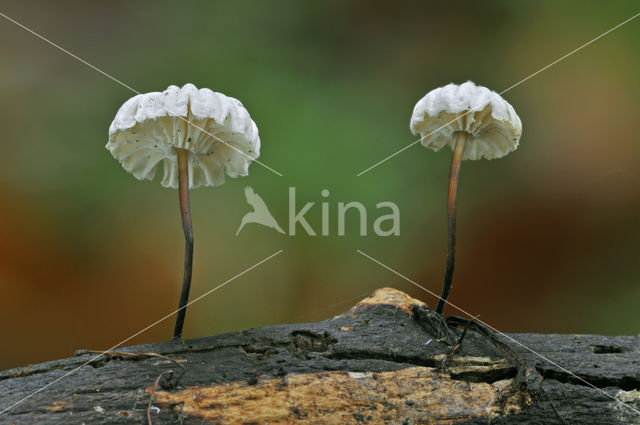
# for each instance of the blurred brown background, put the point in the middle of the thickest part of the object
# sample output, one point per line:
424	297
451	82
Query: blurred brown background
548	237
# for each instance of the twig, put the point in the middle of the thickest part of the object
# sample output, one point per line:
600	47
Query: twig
153	394
526	377
456	347
183	370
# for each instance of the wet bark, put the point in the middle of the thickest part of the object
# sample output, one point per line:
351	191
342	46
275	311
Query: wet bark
379	362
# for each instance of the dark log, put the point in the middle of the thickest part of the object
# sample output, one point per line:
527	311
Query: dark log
379	362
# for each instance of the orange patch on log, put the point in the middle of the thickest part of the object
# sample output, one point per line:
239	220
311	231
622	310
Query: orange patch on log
420	394
388	296
58	405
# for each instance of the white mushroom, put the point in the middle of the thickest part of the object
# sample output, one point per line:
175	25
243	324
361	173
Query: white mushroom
150	129
476	123
197	136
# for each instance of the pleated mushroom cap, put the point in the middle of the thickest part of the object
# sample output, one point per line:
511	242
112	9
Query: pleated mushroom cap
492	124
147	130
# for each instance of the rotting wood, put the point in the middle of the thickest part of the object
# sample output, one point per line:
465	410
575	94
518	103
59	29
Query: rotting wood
417	395
376	363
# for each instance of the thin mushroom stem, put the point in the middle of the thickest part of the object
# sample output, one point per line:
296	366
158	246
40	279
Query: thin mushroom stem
451	219
183	191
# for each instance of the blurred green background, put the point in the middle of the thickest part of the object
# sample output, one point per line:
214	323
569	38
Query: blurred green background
548	237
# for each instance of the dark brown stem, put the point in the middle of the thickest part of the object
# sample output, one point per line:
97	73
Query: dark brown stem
451	220
183	190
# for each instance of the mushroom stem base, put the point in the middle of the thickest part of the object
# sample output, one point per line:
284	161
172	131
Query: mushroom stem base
185	212
451	220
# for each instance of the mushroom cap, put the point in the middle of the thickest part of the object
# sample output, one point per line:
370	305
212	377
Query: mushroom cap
493	126
147	130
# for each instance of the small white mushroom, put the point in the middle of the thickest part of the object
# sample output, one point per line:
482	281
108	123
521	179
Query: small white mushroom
476	123
197	136
151	129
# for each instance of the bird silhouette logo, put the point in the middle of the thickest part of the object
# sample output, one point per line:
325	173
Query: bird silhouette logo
260	213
